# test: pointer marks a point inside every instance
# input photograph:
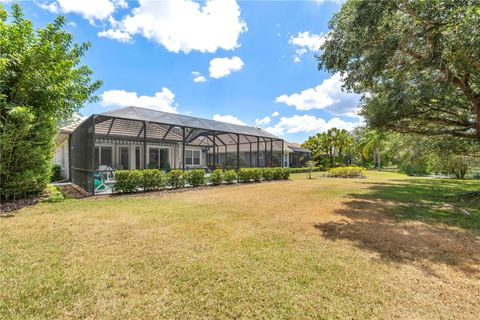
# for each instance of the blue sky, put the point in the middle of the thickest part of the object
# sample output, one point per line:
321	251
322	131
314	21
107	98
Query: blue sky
253	61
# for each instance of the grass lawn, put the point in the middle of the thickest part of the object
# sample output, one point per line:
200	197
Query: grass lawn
388	246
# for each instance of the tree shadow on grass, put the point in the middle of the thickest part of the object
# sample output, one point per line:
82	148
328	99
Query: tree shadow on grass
412	221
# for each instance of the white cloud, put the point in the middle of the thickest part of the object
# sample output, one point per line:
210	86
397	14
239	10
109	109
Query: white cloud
115	34
309	123
328	96
228	118
305	42
221	67
199	79
265	120
185	25
89	9
275	114
162	100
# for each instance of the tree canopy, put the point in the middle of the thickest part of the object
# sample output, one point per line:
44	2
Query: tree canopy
42	83
416	61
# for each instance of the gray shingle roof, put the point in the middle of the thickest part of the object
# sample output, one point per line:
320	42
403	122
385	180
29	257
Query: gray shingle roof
149	115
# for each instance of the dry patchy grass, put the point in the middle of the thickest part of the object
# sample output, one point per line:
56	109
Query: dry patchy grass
381	247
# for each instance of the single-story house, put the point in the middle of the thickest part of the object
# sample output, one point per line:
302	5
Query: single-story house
138	138
297	155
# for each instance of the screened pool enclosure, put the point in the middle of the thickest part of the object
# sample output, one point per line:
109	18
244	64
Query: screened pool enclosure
138	138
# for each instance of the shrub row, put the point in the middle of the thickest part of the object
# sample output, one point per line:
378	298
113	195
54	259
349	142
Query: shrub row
305	170
346	172
127	181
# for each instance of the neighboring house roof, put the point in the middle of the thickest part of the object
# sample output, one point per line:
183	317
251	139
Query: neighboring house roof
69	128
149	115
296	147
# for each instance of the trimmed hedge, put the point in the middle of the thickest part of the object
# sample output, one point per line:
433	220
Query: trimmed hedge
305	170
229	176
346	172
128	180
175	179
249	175
195	177
153	179
216	177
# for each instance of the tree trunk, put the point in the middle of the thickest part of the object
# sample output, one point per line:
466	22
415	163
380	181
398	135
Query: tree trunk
379	159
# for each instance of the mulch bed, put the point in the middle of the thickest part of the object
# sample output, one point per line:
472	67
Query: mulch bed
18	204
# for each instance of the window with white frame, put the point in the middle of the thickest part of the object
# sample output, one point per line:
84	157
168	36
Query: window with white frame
123	157
192	157
103	156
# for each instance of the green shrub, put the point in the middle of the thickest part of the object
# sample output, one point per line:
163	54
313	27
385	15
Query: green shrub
128	181
56	173
285	173
153	179
229	176
277	173
195	177
216	177
53	194
245	175
305	170
175	179
267	174
346	172
256	174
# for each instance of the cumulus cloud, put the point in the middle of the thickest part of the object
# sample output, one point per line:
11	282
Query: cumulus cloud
163	100
264	120
228	118
328	96
221	67
306	42
308	123
185	25
115	34
199	79
275	114
89	9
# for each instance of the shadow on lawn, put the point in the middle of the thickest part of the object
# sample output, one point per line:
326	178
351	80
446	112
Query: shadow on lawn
381	221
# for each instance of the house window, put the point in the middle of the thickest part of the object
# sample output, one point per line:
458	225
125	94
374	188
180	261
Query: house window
192	157
157	158
137	157
103	156
123	157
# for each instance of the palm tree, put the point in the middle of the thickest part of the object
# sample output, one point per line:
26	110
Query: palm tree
372	143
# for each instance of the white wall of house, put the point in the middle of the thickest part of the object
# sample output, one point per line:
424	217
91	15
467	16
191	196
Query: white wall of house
60	157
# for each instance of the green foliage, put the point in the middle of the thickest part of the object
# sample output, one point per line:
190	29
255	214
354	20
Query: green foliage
56	173
456	165
332	145
306	170
41	84
346	172
194	177
417	60
26	144
216	177
267	174
53	194
175	179
277	173
249	174
229	176
127	181
153	179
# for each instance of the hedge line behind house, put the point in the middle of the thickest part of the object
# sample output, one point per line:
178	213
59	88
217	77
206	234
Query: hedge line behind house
128	181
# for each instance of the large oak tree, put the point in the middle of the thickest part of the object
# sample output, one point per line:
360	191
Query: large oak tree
417	61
